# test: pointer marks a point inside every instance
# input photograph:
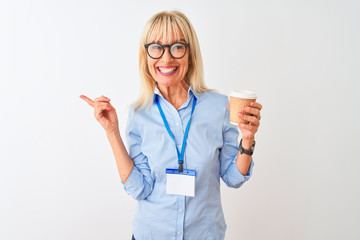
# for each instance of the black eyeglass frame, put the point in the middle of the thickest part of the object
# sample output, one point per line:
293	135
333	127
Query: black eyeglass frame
163	48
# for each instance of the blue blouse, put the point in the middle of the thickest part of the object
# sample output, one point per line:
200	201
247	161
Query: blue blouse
211	150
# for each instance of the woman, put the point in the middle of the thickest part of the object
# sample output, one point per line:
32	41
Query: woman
178	129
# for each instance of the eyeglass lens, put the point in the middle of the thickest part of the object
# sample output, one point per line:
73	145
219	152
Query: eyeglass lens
156	50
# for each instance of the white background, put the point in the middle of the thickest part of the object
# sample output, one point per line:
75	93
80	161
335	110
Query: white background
58	177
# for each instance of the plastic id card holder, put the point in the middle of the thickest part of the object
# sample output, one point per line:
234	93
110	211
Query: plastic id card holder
180	183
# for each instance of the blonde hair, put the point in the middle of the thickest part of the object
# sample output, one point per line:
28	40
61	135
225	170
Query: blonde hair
163	24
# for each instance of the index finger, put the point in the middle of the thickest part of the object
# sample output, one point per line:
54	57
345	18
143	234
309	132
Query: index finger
256	105
88	100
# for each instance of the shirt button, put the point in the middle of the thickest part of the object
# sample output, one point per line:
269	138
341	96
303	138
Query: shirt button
180	210
179	233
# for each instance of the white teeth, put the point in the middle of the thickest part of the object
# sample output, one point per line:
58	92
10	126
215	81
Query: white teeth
167	70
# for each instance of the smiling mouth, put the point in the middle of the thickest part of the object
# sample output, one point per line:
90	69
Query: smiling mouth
167	70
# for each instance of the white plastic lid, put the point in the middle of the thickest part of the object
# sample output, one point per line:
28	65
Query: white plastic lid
243	94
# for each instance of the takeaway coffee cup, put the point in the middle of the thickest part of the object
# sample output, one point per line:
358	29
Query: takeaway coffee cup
238	100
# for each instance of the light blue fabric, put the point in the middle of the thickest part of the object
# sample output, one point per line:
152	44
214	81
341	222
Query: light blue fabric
211	150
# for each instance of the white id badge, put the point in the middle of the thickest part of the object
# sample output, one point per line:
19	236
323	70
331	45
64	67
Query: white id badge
180	183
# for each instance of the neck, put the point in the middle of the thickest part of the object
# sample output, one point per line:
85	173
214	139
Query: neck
175	94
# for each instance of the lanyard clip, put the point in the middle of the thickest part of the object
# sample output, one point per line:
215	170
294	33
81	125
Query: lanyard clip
180	167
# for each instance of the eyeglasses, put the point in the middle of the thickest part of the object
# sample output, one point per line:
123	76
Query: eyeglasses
156	50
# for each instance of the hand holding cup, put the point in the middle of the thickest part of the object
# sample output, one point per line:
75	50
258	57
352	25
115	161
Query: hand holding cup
245	112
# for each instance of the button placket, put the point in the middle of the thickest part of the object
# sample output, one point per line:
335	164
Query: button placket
184	116
179	130
180	217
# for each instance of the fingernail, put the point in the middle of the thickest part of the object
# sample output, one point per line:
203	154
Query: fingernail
244	108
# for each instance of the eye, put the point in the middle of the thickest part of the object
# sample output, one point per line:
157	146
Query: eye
156	47
178	46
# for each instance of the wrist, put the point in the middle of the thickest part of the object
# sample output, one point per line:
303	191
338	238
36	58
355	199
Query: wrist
113	132
246	149
247	143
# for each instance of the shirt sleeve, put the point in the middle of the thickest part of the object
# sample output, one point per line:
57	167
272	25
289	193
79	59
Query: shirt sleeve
228	153
139	184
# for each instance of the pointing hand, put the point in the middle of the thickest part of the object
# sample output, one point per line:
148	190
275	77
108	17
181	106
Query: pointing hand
104	112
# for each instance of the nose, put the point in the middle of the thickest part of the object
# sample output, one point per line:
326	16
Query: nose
167	56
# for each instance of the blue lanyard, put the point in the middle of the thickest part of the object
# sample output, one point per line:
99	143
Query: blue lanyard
180	154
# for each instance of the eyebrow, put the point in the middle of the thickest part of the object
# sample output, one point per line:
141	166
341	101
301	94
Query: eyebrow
183	40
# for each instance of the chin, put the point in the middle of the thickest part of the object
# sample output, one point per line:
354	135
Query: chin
167	82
